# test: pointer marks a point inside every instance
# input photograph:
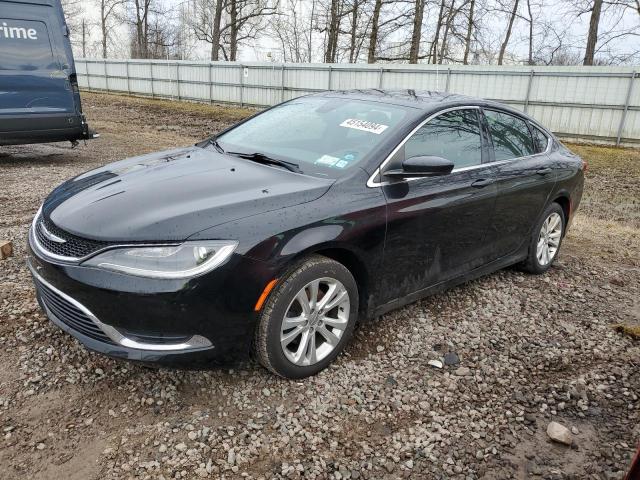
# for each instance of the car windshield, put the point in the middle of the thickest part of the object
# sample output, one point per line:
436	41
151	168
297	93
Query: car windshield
323	136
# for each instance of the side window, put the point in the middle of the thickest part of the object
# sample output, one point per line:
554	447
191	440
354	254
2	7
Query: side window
540	139
510	134
453	135
24	45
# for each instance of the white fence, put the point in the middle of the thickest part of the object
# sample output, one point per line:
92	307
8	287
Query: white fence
592	103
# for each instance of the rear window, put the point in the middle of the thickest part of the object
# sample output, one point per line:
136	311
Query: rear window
25	45
540	140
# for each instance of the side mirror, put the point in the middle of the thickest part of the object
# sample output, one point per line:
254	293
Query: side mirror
422	166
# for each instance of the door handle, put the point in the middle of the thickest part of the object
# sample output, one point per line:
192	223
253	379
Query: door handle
482	182
543	171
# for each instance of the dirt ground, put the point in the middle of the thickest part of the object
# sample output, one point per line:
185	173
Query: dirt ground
526	350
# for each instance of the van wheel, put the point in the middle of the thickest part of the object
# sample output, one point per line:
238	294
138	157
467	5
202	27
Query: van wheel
545	240
308	318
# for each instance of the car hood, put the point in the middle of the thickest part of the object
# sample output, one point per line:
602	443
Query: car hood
172	195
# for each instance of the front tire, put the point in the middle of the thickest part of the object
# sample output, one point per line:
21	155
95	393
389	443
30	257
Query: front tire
308	318
546	240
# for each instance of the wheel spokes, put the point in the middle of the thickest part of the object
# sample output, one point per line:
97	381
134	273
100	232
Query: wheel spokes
330	337
307	333
311	355
335	322
287	338
313	293
302	347
334	296
291	322
303	300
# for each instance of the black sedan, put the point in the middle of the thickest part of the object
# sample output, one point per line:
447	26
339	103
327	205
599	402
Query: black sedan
276	236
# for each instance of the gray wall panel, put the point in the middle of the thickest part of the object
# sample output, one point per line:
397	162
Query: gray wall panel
588	102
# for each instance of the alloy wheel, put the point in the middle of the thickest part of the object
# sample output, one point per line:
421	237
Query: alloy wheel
315	321
549	239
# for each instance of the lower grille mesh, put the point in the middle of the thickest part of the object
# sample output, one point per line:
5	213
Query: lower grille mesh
71	315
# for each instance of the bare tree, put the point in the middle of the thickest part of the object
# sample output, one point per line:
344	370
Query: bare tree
207	23
373	36
396	18
108	10
85	36
153	30
246	19
416	34
592	35
73	14
467	38
507	35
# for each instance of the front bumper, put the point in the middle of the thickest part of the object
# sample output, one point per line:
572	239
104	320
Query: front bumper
207	320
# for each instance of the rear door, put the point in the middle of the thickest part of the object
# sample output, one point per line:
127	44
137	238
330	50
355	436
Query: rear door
524	177
35	88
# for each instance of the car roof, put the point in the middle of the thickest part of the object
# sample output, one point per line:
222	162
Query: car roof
425	100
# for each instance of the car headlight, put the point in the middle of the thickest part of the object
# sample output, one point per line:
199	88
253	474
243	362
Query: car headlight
165	261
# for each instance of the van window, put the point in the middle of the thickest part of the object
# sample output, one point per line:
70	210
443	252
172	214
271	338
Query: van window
25	45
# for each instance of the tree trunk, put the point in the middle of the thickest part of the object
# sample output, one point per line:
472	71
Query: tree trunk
373	36
103	25
512	18
84	38
416	36
592	36
233	40
433	52
447	27
530	59
215	32
332	37
354	28
139	32
467	39
309	45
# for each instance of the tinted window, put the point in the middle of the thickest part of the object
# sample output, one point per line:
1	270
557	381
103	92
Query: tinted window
24	45
540	140
510	134
453	135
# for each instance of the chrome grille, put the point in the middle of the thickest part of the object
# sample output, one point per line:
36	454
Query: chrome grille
70	314
71	246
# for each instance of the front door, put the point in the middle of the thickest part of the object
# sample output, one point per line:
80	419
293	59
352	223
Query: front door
437	225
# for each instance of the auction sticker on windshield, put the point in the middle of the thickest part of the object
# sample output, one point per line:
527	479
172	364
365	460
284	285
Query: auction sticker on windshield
365	126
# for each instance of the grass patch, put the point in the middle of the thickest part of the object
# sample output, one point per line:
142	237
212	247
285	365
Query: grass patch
612	183
632	330
222	113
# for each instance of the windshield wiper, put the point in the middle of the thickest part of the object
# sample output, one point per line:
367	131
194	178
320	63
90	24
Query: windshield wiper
266	159
214	141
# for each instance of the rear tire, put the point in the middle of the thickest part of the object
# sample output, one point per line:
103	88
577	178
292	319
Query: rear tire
308	318
546	240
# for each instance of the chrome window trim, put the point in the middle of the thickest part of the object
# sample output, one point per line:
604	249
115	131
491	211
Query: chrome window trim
196	341
371	183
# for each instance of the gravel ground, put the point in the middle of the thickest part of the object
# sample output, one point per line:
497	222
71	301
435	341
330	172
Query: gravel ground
520	351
